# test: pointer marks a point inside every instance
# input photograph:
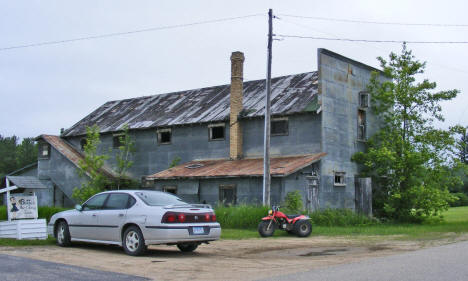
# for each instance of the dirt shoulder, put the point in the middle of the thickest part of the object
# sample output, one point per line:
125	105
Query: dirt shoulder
231	259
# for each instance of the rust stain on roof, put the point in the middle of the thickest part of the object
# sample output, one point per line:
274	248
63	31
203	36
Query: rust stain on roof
69	152
279	167
290	94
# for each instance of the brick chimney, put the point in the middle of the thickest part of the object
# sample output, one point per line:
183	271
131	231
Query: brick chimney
235	130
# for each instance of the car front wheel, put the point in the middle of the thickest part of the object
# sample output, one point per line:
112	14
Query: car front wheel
133	241
63	234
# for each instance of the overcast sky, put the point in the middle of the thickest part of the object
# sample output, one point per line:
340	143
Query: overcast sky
46	88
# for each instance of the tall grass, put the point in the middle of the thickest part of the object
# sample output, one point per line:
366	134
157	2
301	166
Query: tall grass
44	212
241	216
248	217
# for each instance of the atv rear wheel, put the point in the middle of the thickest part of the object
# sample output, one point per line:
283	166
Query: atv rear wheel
302	228
266	228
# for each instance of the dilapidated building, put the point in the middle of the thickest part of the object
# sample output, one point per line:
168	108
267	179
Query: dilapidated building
319	120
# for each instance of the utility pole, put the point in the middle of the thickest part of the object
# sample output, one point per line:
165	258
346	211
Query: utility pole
266	147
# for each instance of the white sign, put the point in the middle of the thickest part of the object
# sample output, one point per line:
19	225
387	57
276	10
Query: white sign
22	207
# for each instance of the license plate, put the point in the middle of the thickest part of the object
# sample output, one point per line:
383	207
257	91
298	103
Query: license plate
198	230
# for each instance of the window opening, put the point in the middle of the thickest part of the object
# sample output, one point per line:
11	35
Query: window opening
216	131
227	194
116	141
164	136
340	178
170	189
279	127
83	143
363	99
361	125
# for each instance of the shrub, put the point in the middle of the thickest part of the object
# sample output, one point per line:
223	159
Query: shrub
241	216
293	202
339	217
44	212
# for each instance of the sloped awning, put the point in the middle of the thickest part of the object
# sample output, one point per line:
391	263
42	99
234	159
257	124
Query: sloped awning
279	167
26	182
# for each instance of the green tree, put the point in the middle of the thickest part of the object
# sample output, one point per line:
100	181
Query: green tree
14	156
126	148
26	152
407	157
90	167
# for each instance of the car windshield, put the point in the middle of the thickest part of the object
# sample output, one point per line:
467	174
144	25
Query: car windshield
156	198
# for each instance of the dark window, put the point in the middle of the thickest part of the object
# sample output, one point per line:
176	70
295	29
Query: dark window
170	189
83	143
361	135
227	194
131	201
364	99
117	201
279	127
340	178
217	132
95	203
157	198
117	141
164	136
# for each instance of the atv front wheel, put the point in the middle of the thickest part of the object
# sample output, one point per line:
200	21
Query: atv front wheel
266	228
302	228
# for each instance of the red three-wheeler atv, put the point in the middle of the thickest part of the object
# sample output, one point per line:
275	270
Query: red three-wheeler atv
296	224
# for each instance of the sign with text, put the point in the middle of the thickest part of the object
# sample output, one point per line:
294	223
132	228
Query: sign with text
22	207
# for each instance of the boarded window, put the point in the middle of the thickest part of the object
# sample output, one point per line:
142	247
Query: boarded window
216	131
340	178
227	194
117	141
170	189
361	130
164	136
279	127
363	99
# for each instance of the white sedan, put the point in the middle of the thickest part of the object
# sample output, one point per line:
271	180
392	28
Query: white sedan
135	219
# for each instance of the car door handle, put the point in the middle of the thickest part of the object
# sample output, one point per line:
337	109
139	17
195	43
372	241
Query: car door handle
121	215
94	215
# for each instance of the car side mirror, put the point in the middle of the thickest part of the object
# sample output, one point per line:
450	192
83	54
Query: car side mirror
78	207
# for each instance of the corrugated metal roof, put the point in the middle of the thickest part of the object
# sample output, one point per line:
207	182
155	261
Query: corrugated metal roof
290	94
279	167
26	182
69	152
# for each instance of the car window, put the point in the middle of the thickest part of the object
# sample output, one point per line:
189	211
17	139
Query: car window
131	201
117	201
95	203
156	198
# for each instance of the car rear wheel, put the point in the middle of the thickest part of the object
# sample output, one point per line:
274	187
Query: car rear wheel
133	241
63	234
187	247
302	228
266	228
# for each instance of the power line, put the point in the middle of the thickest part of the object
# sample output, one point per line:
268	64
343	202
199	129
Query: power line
370	40
375	22
125	33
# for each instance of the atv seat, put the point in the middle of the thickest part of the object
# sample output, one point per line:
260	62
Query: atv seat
292	216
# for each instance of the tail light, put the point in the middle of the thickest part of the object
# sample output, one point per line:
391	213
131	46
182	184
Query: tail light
179	217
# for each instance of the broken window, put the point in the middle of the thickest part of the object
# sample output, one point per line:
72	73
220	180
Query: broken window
361	130
117	140
216	131
170	189
363	99
340	178
227	194
279	127
44	151
164	136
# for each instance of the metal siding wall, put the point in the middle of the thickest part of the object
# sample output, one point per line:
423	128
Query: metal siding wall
340	82
303	137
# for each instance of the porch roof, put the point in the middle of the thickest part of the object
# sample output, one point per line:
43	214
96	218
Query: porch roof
279	167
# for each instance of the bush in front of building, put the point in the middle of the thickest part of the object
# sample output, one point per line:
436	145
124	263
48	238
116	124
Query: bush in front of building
240	216
44	212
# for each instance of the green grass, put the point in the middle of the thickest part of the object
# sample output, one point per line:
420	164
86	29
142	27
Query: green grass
455	221
14	242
